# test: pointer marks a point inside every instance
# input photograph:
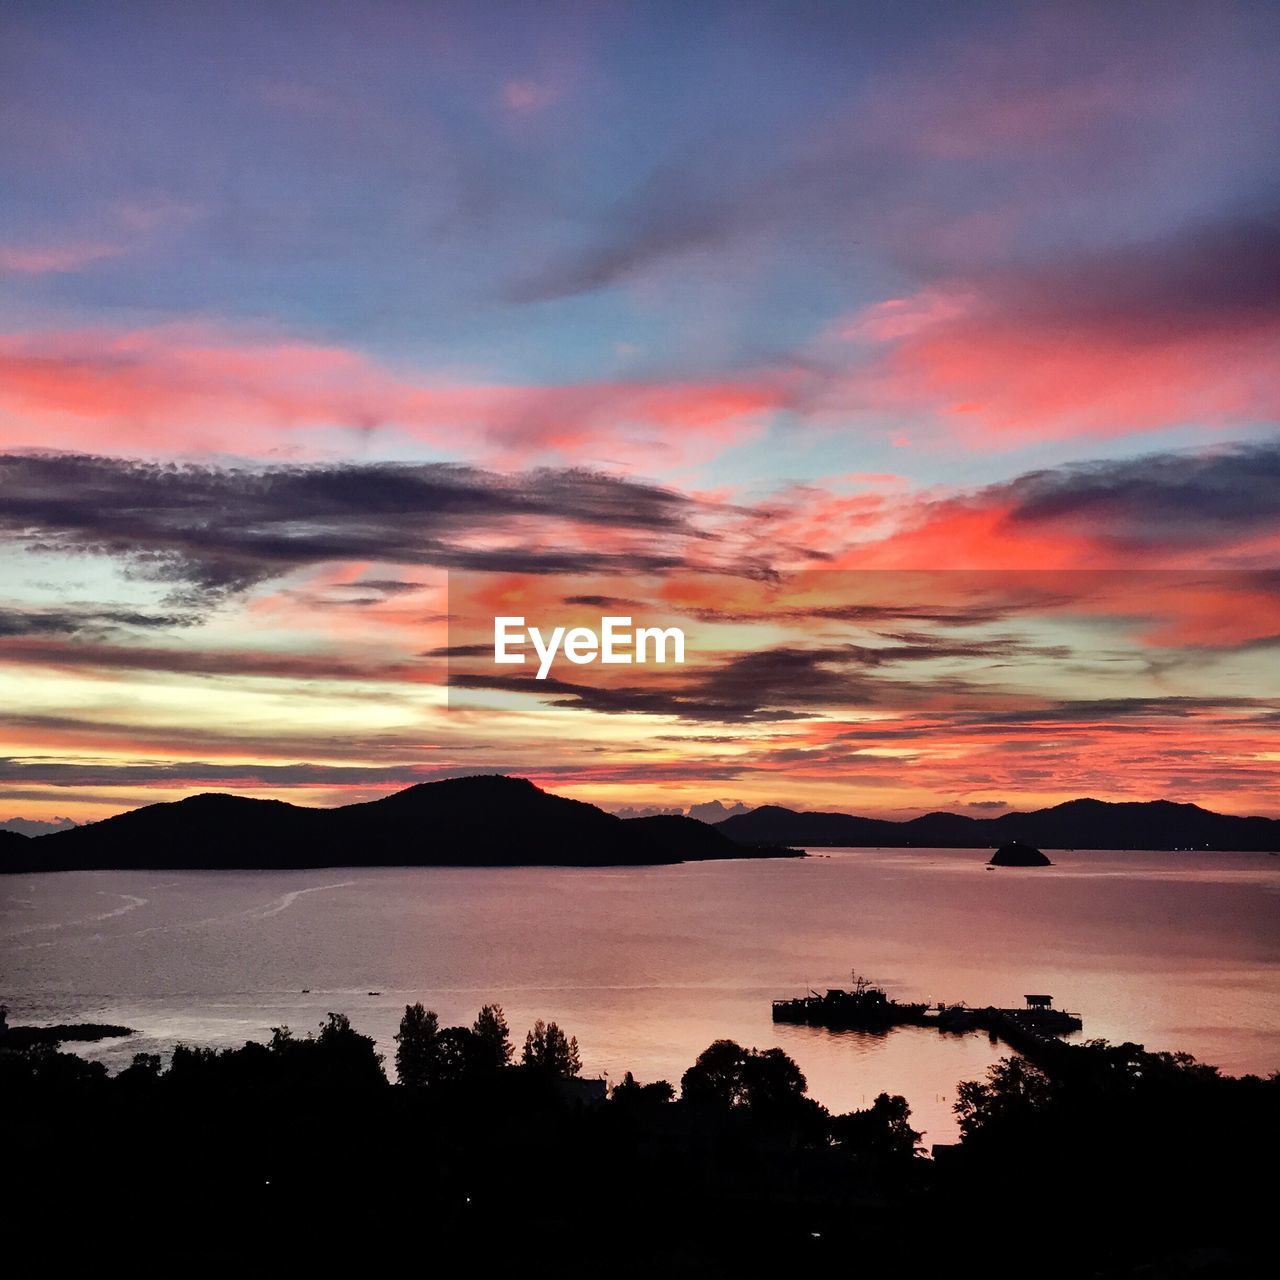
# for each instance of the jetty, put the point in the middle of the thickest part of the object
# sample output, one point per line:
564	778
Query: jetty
1034	1030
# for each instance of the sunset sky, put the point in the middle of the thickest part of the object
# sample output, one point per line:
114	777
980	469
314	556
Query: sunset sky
923	359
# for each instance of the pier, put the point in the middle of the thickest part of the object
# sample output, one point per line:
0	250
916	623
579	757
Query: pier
1035	1030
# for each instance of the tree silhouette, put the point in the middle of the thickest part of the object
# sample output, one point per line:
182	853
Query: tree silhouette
549	1050
771	1078
493	1036
715	1079
418	1047
143	1071
461	1055
43	1063
346	1058
881	1130
727	1075
1013	1093
629	1092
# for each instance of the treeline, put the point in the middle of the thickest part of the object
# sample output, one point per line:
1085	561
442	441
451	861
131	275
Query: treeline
764	1089
1123	1162
426	1054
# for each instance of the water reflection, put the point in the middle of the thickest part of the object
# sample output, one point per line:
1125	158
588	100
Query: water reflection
648	966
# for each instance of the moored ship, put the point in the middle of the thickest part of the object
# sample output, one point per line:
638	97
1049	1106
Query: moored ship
864	1008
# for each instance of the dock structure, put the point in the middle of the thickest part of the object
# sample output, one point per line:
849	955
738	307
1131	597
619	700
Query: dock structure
1035	1031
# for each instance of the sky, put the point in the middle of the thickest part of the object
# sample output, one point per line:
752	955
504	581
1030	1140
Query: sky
922	359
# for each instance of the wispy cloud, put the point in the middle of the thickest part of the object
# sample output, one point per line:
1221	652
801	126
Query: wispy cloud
221	530
47	259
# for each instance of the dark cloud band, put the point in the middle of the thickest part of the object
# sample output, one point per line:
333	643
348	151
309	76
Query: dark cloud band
222	529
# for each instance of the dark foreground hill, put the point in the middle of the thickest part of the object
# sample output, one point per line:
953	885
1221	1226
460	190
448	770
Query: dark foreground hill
1077	824
11	844
477	821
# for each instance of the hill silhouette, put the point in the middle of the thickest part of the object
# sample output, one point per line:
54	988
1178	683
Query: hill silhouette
13	846
488	820
1017	854
1075	824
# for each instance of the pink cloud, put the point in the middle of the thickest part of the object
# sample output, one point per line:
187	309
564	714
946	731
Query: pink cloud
124	227
528	96
38	260
1204	509
1170	334
186	390
997	378
896	318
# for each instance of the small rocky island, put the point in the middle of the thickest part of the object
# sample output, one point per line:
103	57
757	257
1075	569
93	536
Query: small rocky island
1015	854
20	1038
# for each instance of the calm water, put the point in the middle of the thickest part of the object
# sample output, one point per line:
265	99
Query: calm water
649	966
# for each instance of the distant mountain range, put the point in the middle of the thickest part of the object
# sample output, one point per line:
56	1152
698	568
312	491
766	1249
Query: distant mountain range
1077	824
493	820
714	811
37	827
710	811
477	821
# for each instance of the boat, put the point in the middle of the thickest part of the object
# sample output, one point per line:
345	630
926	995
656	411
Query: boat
863	1008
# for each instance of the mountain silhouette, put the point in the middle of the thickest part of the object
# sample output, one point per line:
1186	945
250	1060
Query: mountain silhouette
488	820
1075	824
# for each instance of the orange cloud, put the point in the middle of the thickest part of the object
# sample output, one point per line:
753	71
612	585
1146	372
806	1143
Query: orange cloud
957	535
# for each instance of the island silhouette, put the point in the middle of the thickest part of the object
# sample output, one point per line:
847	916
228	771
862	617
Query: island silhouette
497	820
1017	854
483	820
1074	824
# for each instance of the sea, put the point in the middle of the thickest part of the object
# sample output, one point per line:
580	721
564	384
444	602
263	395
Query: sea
647	966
